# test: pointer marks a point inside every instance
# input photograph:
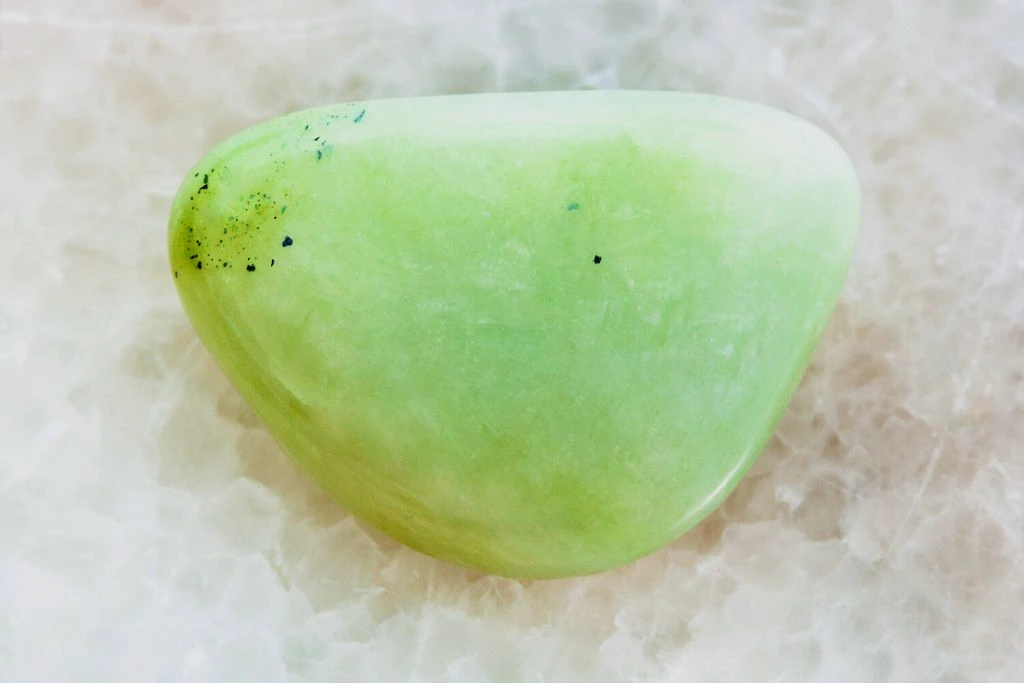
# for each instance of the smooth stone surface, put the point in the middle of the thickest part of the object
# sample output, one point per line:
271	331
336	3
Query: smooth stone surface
539	335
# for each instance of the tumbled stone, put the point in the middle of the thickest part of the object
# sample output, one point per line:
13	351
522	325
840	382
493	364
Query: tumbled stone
535	334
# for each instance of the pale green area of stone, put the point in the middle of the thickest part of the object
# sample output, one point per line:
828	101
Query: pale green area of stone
407	293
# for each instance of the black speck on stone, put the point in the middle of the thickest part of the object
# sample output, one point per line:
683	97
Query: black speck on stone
198	243
597	259
193	256
250	267
199	265
271	263
316	139
206	183
574	206
307	127
287	242
359	117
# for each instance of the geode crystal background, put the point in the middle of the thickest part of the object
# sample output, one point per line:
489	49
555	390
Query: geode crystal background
150	530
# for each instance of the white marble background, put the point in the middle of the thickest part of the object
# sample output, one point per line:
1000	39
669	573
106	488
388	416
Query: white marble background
151	531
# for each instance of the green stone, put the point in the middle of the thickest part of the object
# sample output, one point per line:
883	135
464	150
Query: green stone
536	334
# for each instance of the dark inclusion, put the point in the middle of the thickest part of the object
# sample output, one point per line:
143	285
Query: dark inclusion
260	204
597	259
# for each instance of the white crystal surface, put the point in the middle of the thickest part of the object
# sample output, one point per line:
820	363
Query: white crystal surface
151	531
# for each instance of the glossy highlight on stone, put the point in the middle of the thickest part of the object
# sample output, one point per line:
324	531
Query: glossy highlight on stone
540	335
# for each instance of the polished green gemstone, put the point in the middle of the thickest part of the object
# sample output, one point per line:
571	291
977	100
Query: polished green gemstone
536	334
